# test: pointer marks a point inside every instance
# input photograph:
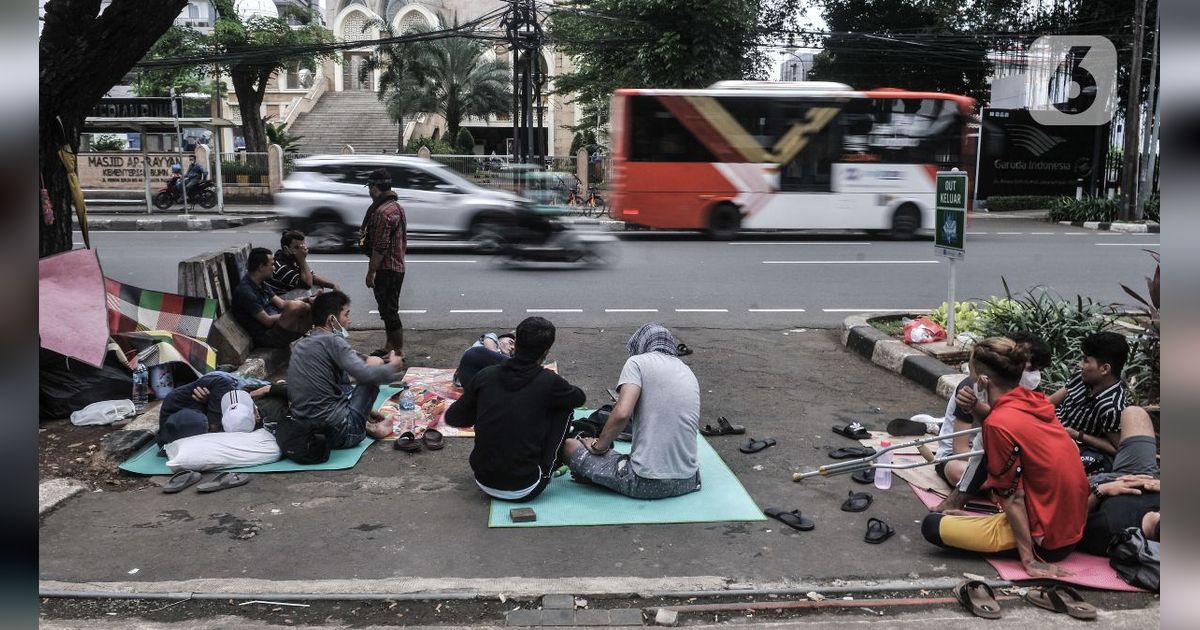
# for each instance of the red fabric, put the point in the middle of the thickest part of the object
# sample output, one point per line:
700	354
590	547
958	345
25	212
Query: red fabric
71	306
1028	448
389	234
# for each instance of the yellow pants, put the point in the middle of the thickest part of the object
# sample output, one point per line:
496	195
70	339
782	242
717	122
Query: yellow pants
985	534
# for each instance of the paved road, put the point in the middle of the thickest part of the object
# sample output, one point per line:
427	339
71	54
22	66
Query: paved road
812	280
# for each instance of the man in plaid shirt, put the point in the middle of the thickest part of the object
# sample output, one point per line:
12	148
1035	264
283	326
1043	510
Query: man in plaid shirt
386	228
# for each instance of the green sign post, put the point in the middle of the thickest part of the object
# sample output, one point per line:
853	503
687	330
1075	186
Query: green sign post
949	228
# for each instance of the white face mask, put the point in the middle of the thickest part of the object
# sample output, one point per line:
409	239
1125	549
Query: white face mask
339	329
1031	379
981	394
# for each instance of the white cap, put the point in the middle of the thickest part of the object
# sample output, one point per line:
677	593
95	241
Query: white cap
237	411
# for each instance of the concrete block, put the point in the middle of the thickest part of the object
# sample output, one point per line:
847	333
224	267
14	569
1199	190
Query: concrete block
174	224
123	224
950	353
862	340
53	492
850	323
218	223
625	617
120	445
558	617
253	367
558	601
199	224
145	421
890	354
947	383
149	225
230	341
588	617
666	617
925	370
522	515
523	618
236	222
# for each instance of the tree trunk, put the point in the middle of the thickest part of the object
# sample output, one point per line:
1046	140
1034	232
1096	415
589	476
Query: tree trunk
399	134
249	96
82	54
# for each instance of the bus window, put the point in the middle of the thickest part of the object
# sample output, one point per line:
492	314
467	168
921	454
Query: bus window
811	169
905	131
655	135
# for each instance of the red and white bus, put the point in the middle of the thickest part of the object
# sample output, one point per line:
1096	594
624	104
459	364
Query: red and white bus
748	155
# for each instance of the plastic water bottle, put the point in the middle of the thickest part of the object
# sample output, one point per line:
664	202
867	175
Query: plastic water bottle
883	476
406	400
141	386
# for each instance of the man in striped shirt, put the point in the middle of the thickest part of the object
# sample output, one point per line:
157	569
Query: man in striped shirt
1091	403
291	270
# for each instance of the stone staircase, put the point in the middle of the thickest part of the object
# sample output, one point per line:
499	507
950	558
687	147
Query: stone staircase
356	118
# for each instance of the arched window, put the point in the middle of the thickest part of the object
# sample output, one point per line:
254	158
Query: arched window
355	27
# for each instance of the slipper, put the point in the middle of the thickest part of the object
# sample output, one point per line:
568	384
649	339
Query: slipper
792	519
222	481
864	476
407	442
432	439
878	531
904	426
851	452
723	428
977	597
854	431
682	350
1061	599
857	502
181	480
754	446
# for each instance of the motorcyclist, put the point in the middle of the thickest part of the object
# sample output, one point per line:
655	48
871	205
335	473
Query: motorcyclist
176	181
195	174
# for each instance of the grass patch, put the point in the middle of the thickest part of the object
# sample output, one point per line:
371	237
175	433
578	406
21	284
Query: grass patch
893	326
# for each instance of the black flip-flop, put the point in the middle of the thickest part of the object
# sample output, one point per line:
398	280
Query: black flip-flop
1061	599
682	350
407	442
864	476
222	481
854	431
905	426
857	502
877	531
977	597
723	428
181	480
792	519
433	440
754	446
852	452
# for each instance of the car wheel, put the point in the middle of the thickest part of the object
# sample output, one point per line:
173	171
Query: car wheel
487	235
326	233
905	222
724	222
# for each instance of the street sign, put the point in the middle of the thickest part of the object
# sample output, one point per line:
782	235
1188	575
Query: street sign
950	220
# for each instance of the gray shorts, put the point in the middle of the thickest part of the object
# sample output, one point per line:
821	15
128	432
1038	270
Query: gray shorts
614	471
1137	455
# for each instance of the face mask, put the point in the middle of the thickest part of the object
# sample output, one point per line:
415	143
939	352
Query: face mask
340	330
981	394
1031	379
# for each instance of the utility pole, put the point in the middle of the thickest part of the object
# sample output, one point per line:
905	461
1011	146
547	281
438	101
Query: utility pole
1133	109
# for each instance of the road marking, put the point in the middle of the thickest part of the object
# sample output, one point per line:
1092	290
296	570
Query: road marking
553	310
1108	233
1042	233
1009	233
409	312
875	310
701	310
977	233
850	262
477	310
328	261
807	243
775	310
630	310
1076	233
1126	244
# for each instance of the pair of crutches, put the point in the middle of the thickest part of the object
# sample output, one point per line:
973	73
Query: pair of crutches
870	462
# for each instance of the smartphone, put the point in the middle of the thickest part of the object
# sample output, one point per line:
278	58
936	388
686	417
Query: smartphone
612	393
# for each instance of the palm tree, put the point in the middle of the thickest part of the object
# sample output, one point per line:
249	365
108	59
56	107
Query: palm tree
399	88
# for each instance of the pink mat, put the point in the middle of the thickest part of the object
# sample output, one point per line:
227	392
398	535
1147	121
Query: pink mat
72	312
1090	571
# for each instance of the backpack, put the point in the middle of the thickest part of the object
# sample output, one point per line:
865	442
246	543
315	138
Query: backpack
591	425
302	442
1136	559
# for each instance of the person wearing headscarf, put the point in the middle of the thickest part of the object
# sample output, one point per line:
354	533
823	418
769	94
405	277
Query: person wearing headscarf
661	396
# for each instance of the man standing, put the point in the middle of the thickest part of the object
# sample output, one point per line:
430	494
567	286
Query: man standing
271	321
290	270
385	229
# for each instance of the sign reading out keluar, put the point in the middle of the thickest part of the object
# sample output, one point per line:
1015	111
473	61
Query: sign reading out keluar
950	221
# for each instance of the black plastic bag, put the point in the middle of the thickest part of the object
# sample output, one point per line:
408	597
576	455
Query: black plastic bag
68	385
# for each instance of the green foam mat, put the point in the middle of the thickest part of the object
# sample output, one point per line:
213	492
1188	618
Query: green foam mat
565	503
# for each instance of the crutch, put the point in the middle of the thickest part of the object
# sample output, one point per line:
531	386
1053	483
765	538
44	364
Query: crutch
855	465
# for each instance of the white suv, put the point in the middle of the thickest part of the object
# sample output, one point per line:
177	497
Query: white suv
326	196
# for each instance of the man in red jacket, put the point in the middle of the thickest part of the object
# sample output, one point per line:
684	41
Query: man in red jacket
1032	470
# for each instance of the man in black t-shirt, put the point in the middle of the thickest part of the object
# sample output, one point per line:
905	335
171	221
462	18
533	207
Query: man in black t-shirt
1129	496
271	321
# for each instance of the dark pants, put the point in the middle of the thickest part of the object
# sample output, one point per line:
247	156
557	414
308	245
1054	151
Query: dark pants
349	431
474	359
387	296
180	399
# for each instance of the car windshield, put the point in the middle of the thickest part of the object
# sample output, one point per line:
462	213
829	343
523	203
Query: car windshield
446	173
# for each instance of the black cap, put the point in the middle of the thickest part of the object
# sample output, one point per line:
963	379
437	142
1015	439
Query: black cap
380	176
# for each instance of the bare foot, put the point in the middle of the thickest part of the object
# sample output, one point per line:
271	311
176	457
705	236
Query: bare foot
952	503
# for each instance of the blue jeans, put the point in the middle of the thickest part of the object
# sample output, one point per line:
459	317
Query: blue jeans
180	398
353	427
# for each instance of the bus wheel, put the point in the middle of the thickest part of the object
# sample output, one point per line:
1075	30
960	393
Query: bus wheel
905	222
724	222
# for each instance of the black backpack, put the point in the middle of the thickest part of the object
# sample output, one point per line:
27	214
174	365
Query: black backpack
591	425
302	442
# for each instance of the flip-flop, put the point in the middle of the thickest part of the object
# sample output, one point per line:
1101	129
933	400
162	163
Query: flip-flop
754	446
852	452
854	431
978	597
1061	599
864	476
432	439
792	519
181	480
407	442
905	426
857	502
723	428
222	481
682	350
877	531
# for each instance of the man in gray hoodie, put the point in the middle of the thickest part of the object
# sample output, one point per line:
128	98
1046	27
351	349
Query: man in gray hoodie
318	386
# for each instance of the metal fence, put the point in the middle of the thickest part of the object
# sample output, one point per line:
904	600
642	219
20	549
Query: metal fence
242	168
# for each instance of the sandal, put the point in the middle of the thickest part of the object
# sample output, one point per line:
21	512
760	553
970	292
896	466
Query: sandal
977	597
792	519
854	431
1061	599
864	476
723	428
682	350
754	446
223	481
852	452
432	439
878	531
857	502
905	426
181	480
407	442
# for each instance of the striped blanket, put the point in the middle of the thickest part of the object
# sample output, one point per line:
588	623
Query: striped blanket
160	327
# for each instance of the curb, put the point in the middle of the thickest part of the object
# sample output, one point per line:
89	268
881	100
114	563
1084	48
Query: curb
190	224
53	492
864	339
1128	228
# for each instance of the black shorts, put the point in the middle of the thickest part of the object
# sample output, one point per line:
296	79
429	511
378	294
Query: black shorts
275	337
387	296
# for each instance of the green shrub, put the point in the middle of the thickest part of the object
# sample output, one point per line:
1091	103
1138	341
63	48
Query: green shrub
465	142
436	147
1097	209
1151	209
107	142
230	169
1020	202
966	318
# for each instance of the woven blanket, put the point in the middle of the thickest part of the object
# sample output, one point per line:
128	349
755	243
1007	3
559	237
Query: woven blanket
133	309
156	347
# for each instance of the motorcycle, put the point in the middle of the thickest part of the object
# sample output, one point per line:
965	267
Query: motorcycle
203	192
544	239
